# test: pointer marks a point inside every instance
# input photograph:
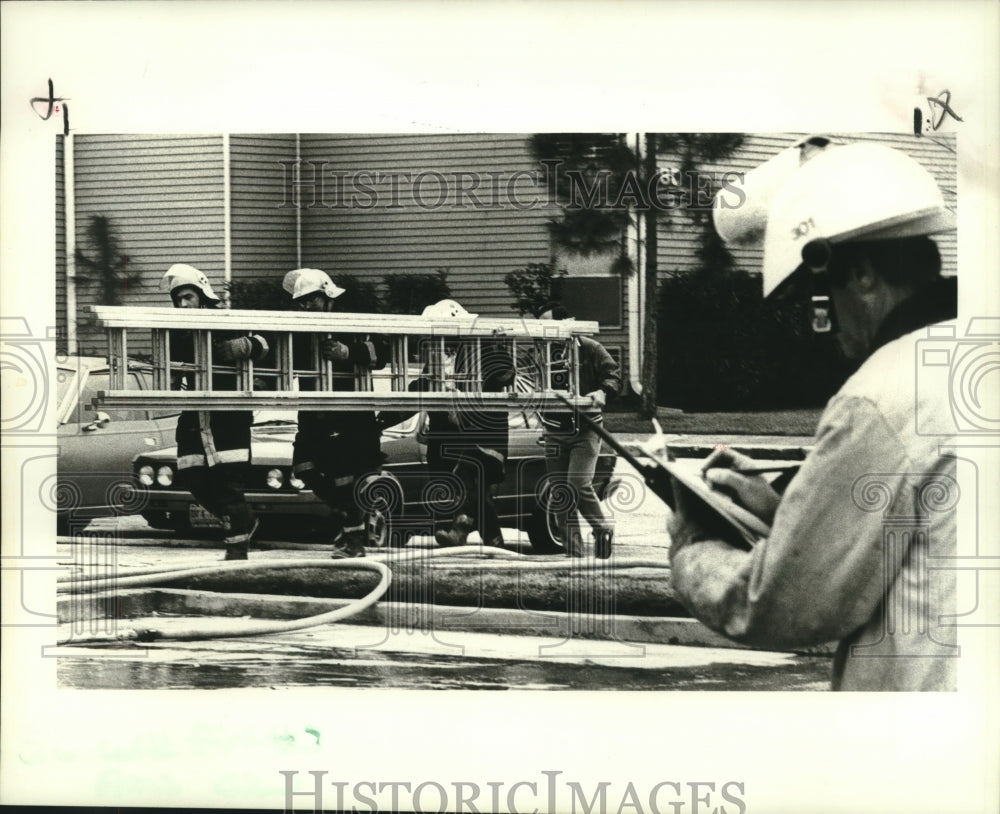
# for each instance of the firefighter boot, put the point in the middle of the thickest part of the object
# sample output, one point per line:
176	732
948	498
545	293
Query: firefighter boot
603	539
238	545
459	532
350	543
573	539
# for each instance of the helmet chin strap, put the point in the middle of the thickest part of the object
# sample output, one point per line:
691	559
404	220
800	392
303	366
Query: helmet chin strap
821	310
817	255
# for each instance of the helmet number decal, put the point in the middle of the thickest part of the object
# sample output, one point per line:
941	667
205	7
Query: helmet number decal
802	229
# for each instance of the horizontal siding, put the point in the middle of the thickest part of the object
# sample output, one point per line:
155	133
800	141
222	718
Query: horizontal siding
410	229
679	240
163	195
164	198
60	236
262	232
679	237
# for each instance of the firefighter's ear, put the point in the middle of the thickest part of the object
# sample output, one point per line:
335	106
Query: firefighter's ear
863	278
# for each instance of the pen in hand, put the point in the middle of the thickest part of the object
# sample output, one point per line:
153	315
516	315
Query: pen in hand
762	468
736	475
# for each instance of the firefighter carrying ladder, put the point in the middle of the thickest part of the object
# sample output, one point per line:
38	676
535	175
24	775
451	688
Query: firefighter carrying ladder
545	356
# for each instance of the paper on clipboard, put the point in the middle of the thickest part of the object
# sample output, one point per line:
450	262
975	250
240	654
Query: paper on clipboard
750	528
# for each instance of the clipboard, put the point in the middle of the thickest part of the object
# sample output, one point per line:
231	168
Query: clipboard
661	475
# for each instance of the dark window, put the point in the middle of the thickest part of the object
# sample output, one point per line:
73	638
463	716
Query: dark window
594	298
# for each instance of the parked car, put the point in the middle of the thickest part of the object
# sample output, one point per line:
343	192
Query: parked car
401	499
96	447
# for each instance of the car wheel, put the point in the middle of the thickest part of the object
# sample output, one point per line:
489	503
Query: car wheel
378	530
540	535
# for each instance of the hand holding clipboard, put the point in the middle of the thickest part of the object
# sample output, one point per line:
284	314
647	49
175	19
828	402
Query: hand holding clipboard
725	475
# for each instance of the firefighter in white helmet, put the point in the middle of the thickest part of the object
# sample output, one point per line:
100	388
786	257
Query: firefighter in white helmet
469	444
853	533
213	447
335	448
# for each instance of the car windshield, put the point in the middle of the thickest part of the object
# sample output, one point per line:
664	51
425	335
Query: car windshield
63	380
95	383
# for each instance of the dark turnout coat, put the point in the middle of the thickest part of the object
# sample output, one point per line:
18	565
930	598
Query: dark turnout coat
339	442
212	437
472	431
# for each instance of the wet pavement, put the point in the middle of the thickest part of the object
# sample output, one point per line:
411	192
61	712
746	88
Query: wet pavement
493	656
332	658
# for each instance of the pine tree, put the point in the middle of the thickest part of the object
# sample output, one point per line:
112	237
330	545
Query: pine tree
604	186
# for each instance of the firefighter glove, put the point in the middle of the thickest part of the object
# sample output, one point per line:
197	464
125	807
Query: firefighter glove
230	350
334	351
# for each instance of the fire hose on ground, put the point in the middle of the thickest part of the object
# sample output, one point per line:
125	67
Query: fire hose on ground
376	564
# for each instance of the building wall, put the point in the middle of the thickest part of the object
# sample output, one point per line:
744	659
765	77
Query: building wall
365	227
163	196
60	313
472	204
263	231
679	241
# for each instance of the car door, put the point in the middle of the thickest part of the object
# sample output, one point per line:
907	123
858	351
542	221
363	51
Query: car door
404	452
525	464
96	446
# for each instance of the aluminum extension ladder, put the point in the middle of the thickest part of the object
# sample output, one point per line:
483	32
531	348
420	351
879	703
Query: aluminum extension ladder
545	355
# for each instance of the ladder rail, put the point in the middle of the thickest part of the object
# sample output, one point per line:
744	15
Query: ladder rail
450	354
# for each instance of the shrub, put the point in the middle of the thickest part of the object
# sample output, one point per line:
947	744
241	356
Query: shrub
258	295
359	296
534	285
108	268
411	293
722	346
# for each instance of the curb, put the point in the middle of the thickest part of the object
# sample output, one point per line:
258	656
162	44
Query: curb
624	630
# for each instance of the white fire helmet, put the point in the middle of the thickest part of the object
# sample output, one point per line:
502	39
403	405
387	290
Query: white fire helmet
301	282
446	309
739	213
181	274
849	193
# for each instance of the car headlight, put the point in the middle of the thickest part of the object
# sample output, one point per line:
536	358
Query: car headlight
164	476
296	483
275	478
146	475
